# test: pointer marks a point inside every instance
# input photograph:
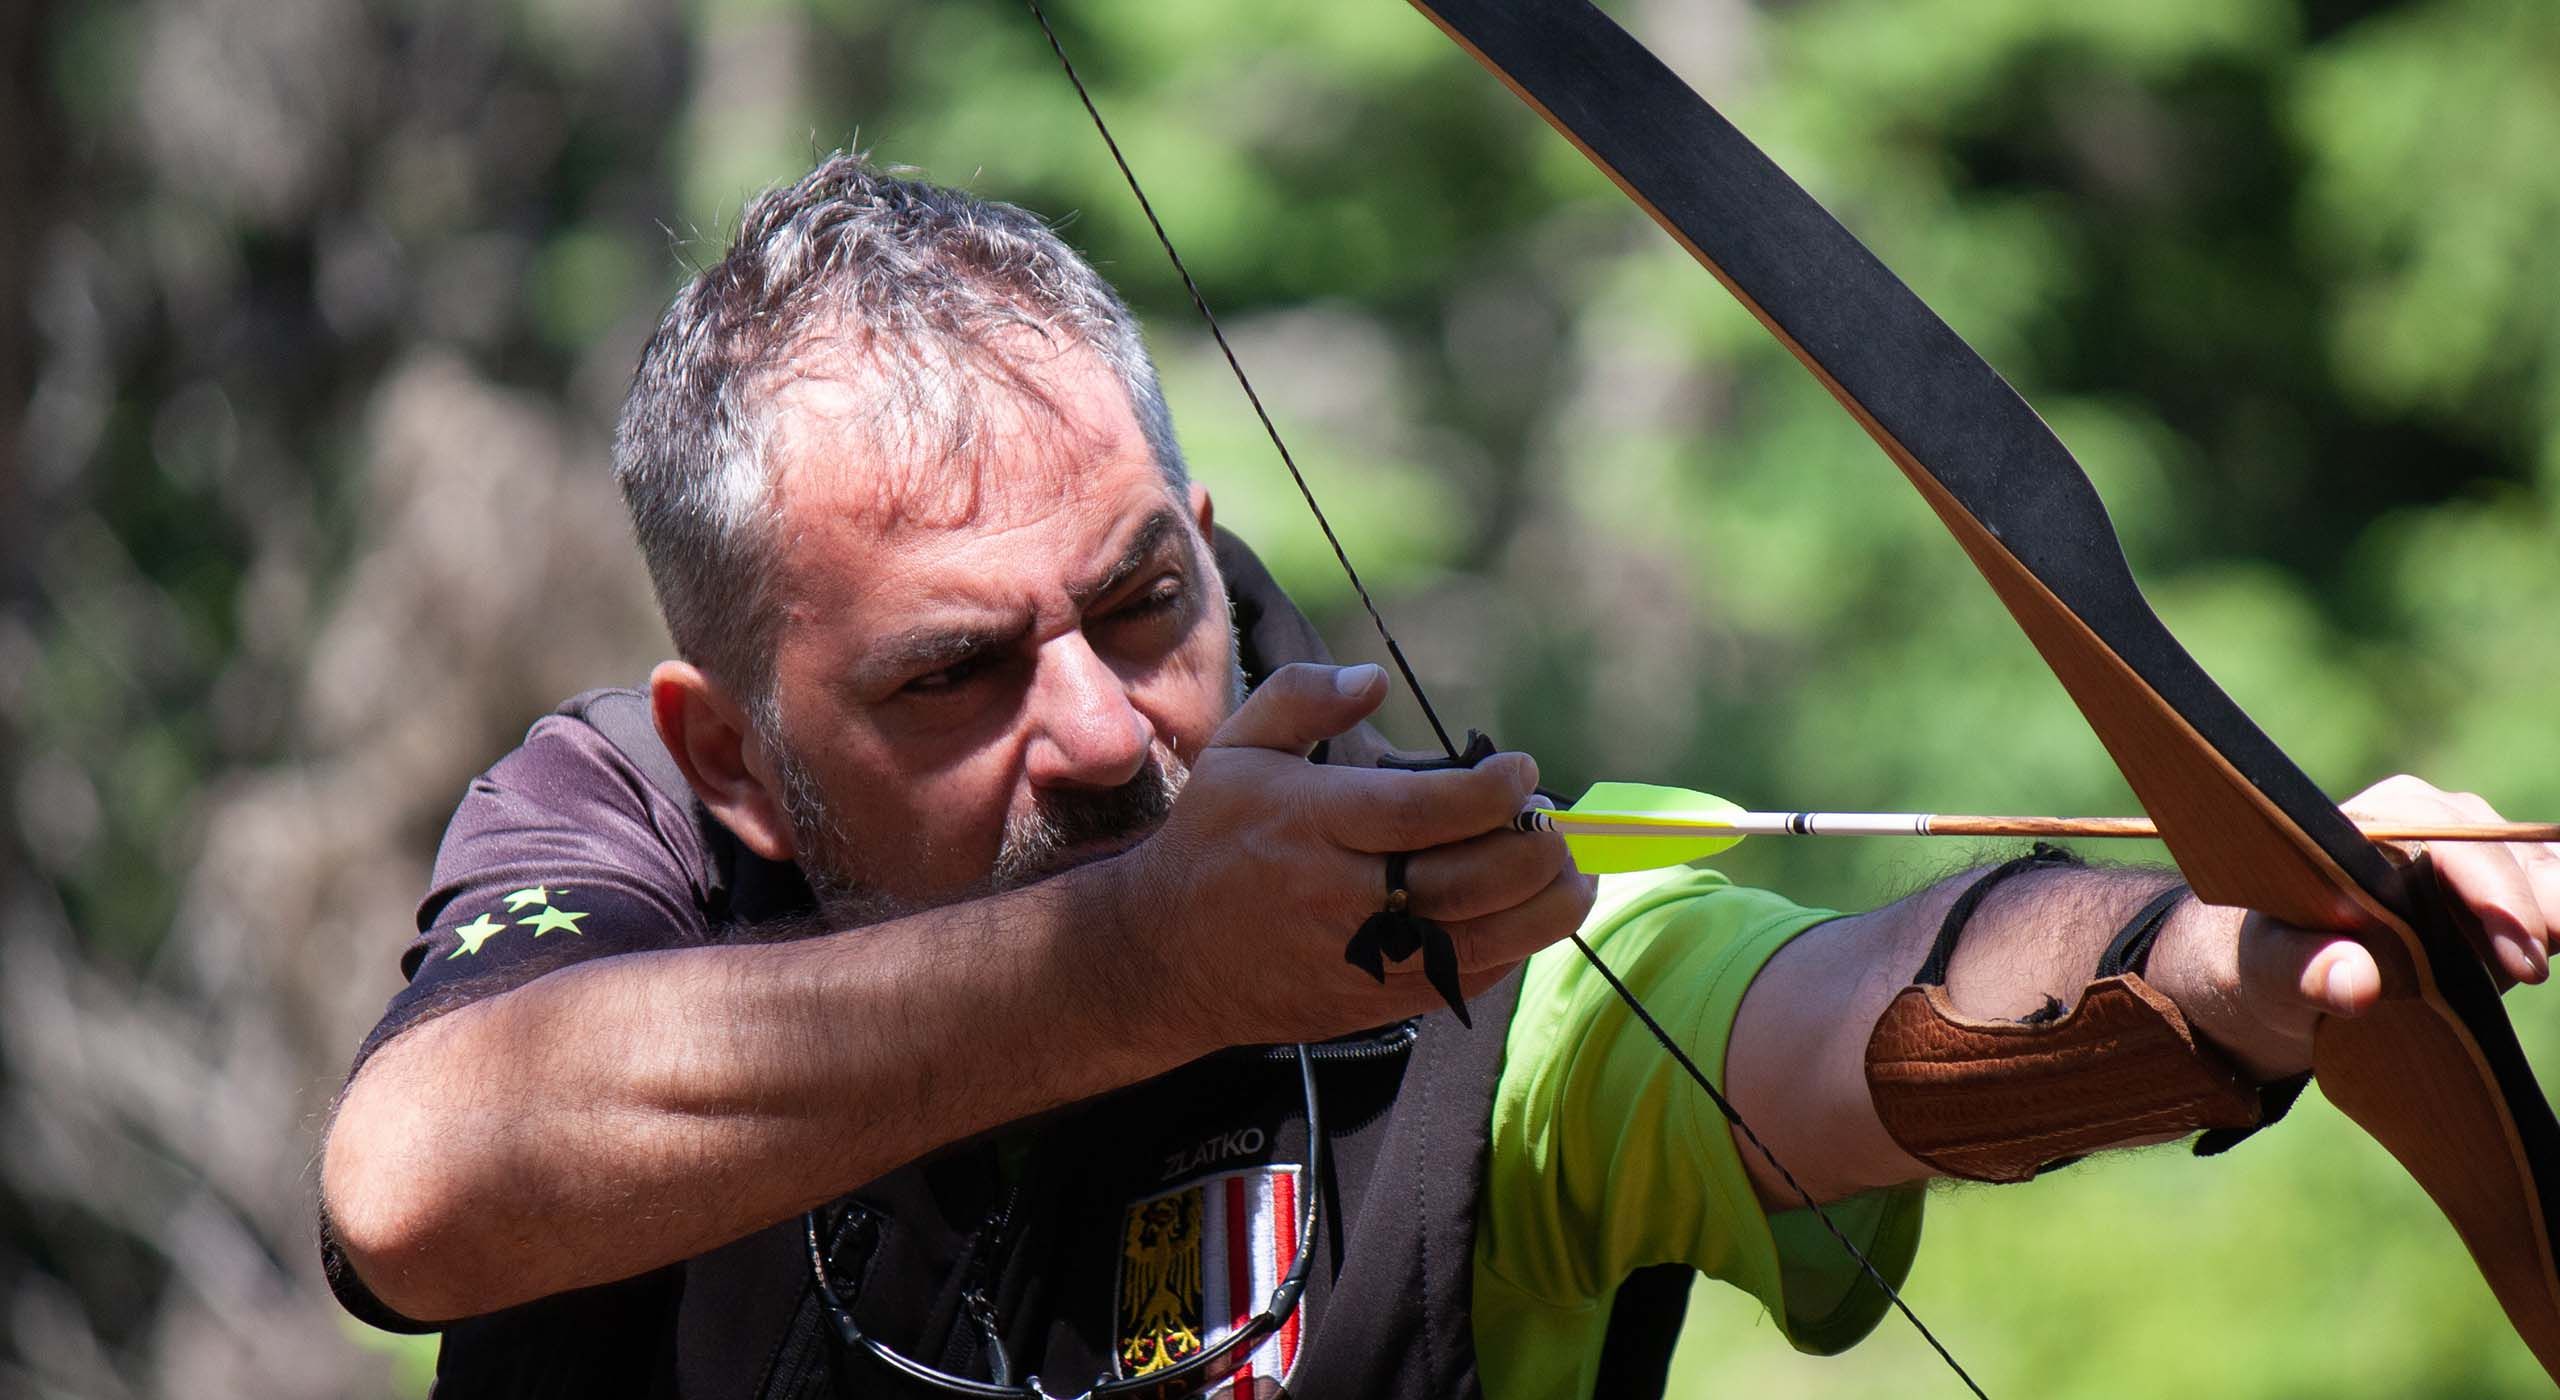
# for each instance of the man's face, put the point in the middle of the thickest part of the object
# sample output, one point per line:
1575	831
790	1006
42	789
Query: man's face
997	656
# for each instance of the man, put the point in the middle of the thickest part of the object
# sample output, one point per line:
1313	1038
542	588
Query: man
963	649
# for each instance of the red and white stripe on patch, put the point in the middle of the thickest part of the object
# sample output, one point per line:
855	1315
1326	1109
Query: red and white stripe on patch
1249	1238
1246	1238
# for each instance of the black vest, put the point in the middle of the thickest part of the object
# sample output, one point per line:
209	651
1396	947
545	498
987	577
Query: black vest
1386	1310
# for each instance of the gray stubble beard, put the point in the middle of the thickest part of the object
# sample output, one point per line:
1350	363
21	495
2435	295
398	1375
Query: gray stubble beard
1036	844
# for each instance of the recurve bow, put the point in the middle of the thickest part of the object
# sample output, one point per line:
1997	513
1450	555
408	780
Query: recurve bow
2434	1073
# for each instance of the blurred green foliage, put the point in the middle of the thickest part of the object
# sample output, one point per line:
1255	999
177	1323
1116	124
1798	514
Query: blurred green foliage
2283	272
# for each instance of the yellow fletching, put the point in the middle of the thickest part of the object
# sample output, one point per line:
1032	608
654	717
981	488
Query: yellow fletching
1644	804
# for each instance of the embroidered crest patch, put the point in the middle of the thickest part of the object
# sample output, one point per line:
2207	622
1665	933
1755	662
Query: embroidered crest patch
1197	1262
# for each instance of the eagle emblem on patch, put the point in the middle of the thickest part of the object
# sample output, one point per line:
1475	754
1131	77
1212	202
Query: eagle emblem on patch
1198	1262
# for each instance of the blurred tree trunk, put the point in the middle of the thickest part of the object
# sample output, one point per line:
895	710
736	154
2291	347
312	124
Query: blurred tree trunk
28	158
27	161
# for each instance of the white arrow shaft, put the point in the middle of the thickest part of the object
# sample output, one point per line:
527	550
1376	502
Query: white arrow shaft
1730	824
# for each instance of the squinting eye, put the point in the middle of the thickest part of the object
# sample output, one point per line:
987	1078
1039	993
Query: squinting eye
1164	597
949	678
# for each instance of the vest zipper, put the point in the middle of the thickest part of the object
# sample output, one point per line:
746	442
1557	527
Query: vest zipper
1377	1045
994	1240
983	1313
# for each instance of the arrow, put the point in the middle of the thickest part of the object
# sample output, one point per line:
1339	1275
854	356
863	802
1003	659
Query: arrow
1619	827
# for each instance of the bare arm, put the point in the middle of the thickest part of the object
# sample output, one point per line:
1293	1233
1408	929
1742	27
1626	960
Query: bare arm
2254	989
1797	1061
634	1110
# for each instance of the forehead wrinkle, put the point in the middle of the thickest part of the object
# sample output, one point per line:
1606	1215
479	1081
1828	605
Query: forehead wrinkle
984	612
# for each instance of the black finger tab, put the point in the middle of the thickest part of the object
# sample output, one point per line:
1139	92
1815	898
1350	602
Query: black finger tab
1394	934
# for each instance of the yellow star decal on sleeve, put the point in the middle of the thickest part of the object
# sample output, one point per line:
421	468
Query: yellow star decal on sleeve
524	898
551	918
475	933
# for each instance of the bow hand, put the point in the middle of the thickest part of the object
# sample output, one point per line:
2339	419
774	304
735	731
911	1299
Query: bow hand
2258	987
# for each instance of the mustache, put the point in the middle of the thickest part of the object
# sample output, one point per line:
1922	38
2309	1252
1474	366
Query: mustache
1045	840
1058	833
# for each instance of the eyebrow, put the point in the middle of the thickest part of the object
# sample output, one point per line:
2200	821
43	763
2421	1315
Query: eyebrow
1143	546
921	650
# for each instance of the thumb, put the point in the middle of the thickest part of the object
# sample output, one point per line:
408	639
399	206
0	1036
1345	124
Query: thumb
2258	989
2295	972
1302	705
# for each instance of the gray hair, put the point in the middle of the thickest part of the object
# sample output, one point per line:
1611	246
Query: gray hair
921	279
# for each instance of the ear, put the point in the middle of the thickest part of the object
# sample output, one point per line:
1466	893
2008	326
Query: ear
711	740
1200	509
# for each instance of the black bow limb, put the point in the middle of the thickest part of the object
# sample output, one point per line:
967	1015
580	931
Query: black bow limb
1395	933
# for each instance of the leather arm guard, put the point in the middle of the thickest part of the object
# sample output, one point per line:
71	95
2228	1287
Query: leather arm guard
1997	1100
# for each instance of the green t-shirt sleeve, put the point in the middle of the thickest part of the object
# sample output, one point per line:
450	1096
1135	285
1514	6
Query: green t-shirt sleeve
1606	1158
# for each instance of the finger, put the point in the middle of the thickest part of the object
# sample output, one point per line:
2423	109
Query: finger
2294	976
2401	797
2472	807
1300	706
1512	934
2542	869
1482	875
2515	901
1385	809
2506	910
2289	979
2538	913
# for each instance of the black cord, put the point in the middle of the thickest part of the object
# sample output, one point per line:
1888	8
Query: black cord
1414	684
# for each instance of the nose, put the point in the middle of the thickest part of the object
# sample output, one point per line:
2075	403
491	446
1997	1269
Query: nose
1084	730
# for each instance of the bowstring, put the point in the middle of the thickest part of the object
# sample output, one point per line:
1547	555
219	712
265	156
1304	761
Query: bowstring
1269	429
1413	684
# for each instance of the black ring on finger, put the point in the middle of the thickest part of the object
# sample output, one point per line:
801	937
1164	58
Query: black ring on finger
1397	895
